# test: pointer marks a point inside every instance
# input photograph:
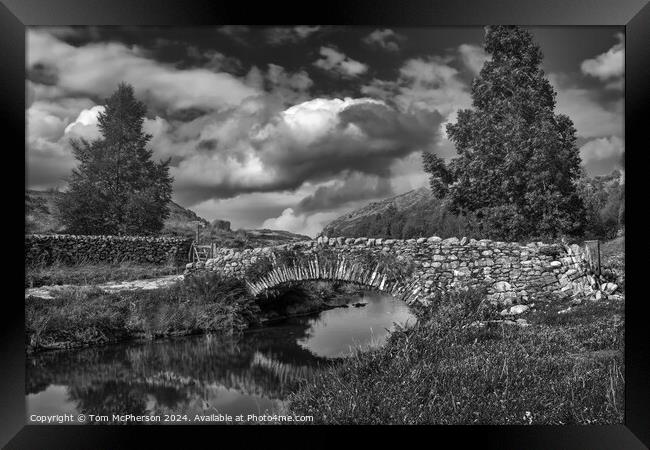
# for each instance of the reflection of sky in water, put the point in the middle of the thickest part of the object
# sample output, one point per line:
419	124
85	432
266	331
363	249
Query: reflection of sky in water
53	400
333	333
208	374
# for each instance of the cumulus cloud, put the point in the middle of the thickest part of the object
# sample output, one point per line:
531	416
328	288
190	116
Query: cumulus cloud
97	68
86	124
334	61
473	57
602	148
608	66
385	39
423	84
600	155
259	149
290	87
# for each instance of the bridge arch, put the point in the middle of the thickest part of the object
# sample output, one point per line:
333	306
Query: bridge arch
341	268
511	272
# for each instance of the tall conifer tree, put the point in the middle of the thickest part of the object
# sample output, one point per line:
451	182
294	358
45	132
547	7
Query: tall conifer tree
117	188
517	160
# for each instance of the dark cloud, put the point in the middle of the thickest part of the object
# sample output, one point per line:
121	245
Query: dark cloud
45	74
351	188
289	35
238	33
208	144
313	142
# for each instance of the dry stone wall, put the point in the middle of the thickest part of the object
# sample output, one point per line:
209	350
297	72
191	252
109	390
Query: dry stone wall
50	248
511	272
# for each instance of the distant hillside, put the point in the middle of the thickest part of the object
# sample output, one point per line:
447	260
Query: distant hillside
418	213
413	214
41	217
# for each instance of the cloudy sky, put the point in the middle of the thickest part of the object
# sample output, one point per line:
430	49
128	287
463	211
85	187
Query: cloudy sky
289	128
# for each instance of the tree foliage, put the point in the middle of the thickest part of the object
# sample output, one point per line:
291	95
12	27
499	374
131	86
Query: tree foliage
517	162
117	188
604	200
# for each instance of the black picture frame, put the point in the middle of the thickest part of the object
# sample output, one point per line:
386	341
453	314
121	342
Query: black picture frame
634	15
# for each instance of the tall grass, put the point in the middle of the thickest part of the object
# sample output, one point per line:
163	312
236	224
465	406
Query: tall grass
81	316
84	273
445	370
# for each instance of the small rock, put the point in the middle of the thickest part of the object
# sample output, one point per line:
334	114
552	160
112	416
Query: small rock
515	310
502	286
609	288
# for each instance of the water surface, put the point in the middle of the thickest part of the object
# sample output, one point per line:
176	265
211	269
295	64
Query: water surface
252	374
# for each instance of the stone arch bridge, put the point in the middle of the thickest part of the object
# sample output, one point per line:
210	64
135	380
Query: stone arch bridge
413	269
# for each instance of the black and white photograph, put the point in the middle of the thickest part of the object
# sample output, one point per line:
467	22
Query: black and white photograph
325	224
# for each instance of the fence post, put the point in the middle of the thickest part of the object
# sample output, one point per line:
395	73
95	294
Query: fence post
593	252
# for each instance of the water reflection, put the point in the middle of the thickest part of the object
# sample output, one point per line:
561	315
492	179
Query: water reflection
205	374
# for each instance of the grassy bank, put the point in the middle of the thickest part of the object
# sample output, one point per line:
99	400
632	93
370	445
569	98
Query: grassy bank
562	369
87	274
85	315
203	303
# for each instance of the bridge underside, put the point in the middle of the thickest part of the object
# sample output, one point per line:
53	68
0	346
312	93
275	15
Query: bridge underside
340	270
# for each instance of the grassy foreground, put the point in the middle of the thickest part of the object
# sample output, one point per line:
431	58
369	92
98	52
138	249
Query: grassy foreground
562	369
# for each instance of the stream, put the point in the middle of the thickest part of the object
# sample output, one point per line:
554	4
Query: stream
250	374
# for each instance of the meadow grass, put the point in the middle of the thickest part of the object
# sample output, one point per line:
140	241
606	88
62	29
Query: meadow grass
447	370
85	273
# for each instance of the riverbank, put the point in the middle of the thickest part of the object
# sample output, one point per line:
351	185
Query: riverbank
84	274
71	316
456	366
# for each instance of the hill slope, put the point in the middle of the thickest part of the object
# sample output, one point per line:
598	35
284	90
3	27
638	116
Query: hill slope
412	214
41	217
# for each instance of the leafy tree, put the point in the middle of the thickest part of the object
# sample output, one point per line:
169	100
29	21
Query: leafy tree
117	188
604	200
517	160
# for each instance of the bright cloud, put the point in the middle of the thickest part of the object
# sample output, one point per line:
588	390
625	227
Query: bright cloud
334	61
473	56
309	225
609	65
97	68
602	148
257	149
86	124
424	85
